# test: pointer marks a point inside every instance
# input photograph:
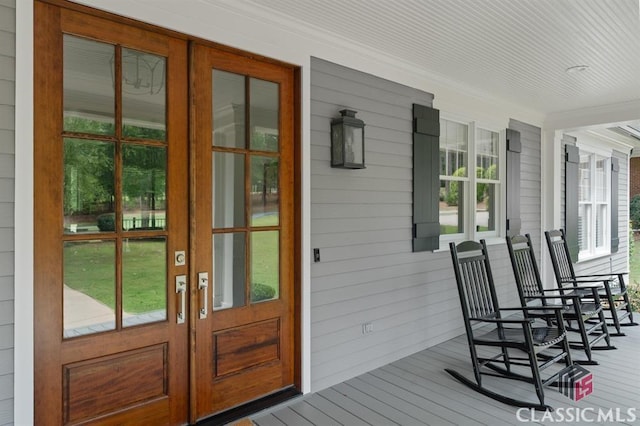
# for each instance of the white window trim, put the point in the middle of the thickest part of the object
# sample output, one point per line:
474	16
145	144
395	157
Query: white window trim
593	147
491	237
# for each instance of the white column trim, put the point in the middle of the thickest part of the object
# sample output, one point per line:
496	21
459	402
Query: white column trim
23	399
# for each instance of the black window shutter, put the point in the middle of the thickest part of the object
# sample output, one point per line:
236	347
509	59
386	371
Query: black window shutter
426	178
615	171
514	147
571	175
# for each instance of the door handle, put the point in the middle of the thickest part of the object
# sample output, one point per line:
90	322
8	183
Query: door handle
203	285
181	290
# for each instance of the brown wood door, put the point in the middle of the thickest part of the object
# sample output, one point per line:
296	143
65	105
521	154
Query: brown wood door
111	216
243	235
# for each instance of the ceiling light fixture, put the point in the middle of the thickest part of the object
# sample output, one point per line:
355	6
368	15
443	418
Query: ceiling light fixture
577	69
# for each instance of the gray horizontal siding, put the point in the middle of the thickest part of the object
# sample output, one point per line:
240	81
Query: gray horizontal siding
361	222
7	191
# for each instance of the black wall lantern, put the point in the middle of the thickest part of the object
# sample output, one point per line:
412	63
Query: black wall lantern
347	141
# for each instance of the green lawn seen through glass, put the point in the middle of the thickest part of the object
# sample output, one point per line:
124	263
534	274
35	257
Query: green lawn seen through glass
89	267
265	251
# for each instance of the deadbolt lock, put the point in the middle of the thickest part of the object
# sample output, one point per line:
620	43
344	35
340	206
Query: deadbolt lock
180	258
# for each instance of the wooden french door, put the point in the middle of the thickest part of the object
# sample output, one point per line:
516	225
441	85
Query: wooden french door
164	224
111	221
243	236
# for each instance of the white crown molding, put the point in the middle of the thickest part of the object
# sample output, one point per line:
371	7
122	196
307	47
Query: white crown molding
594	117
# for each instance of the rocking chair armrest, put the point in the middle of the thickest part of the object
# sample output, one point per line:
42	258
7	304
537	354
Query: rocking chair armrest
583	291
582	286
543	311
502	320
557	296
550	311
612	274
554	296
534	308
587	287
605	279
582	281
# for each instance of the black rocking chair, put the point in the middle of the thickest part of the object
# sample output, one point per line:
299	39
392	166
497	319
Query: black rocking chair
531	343
611	287
582	305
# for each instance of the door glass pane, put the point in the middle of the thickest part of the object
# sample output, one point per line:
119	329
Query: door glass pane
229	270
264	115
228	190
143	95
144	280
228	109
89	287
144	184
265	197
486	207
89	95
265	265
452	206
88	186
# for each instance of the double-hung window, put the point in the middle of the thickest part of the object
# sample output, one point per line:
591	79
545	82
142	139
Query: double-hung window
469	199
594	199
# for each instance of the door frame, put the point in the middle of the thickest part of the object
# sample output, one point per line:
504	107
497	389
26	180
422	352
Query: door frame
24	247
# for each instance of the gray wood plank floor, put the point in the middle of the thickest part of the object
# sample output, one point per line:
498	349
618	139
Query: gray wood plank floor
417	391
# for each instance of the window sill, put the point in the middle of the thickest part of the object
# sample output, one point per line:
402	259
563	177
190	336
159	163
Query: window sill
590	257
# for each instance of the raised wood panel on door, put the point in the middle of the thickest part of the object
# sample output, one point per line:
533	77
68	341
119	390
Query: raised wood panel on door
133	375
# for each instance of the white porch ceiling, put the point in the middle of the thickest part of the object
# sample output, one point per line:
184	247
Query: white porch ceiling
517	50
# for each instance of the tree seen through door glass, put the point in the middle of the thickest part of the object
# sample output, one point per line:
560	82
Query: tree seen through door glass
88	186
89	95
144	187
265	197
143	95
89	292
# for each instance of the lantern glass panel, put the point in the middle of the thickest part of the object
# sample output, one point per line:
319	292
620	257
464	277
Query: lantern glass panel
353	145
336	139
